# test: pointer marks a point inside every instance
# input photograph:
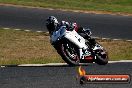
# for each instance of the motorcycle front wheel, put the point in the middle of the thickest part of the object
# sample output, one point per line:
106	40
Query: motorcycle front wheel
69	53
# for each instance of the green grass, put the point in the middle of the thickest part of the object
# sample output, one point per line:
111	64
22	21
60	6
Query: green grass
118	50
19	47
123	6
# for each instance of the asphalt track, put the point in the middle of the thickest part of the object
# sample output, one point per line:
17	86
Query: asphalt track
63	76
102	25
60	76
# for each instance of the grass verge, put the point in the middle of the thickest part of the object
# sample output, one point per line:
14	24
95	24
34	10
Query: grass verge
123	6
19	47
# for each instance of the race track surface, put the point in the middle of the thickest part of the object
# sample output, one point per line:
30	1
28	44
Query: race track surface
102	25
60	76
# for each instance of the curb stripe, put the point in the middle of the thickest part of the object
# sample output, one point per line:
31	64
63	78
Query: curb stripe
39	31
17	29
92	36
59	64
129	40
116	39
6	28
27	30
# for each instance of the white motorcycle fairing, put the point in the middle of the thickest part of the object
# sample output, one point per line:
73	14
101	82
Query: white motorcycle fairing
75	38
72	36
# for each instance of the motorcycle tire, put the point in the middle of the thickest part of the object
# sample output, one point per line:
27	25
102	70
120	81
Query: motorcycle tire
101	59
68	53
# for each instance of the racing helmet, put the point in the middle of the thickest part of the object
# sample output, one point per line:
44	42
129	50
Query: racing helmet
51	23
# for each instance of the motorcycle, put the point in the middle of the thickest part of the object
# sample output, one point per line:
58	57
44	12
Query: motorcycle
75	49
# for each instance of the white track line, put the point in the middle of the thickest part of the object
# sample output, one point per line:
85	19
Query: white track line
120	61
3	66
93	36
6	28
27	30
105	38
58	64
49	64
116	39
129	40
17	29
64	64
39	31
96	37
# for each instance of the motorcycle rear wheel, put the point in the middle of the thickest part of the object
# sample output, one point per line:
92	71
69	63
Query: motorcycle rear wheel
101	59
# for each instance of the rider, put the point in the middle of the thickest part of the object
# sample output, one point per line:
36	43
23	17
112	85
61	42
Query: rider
52	24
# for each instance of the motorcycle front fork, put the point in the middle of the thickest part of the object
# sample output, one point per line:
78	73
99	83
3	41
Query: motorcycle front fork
84	53
81	54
